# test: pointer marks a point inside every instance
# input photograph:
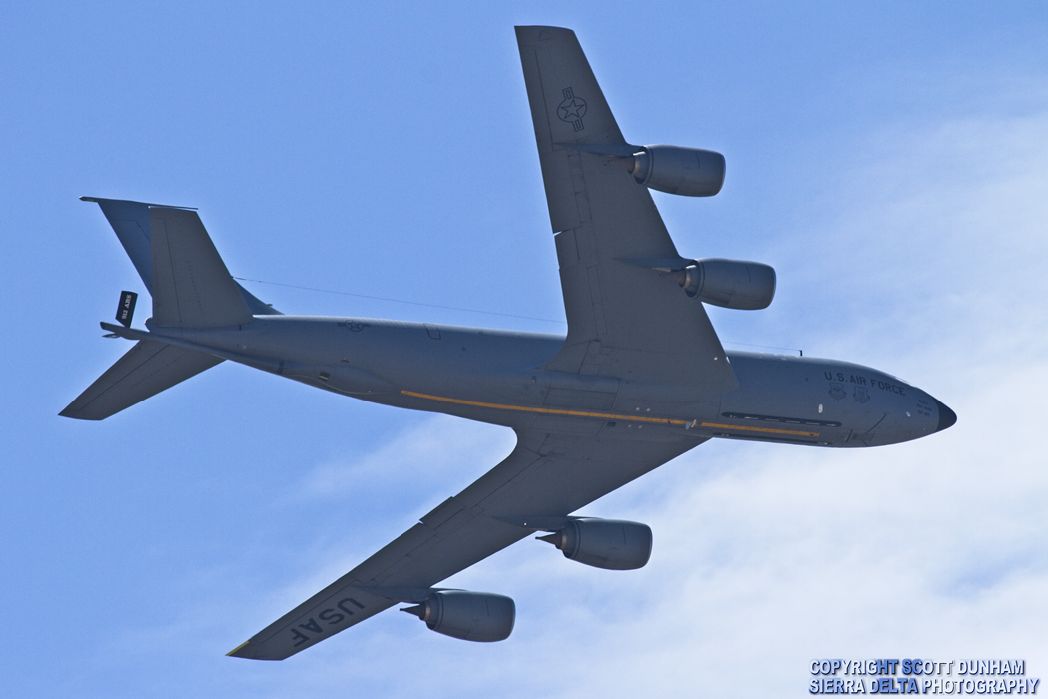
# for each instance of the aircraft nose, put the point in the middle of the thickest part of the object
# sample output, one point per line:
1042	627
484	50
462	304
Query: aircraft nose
946	416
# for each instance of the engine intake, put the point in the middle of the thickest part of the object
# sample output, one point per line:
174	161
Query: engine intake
689	172
613	544
745	286
470	616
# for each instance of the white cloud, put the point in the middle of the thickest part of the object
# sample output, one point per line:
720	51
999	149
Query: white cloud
769	556
438	449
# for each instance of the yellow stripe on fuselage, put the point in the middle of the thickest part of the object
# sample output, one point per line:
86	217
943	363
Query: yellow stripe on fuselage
604	415
754	428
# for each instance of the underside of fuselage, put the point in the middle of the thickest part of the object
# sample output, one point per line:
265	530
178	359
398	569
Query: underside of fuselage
499	377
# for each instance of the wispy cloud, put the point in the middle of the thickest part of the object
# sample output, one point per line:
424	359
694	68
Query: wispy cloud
767	556
438	449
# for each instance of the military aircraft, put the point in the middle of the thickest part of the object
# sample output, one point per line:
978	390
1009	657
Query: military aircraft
640	378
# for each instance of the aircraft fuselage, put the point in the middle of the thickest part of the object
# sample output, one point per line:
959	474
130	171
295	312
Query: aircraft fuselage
497	377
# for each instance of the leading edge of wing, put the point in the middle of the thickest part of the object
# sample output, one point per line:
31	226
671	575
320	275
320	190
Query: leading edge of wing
626	317
402	571
545	476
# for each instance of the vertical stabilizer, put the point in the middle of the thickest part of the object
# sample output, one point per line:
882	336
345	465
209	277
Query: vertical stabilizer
191	285
131	223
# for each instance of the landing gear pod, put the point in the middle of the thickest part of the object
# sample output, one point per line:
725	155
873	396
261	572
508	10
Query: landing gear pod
689	172
470	616
612	544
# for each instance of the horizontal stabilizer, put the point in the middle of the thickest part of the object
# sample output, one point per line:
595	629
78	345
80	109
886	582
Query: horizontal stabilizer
147	369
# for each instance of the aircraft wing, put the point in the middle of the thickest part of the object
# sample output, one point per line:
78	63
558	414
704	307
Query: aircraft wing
547	476
625	318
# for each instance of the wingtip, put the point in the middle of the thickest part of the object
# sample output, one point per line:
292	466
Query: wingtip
103	200
537	30
234	653
75	414
249	651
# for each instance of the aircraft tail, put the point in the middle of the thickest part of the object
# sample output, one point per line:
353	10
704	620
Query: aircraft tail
183	242
190	287
147	369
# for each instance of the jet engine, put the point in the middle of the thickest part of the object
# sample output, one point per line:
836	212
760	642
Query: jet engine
745	286
613	544
470	616
689	172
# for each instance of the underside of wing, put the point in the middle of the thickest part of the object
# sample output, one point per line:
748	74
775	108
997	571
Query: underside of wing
627	315
544	479
630	319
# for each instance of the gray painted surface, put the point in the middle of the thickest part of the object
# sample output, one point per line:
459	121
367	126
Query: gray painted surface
640	378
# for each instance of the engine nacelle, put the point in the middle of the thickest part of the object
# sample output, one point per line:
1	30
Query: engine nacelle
470	616
689	172
745	286
613	544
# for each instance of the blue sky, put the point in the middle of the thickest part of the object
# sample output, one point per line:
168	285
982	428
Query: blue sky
887	159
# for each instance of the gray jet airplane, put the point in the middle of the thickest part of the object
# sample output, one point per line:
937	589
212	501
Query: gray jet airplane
640	378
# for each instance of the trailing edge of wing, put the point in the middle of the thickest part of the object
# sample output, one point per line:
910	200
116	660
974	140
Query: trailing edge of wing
624	320
546	475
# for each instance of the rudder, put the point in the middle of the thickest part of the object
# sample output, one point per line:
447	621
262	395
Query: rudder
131	221
191	285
